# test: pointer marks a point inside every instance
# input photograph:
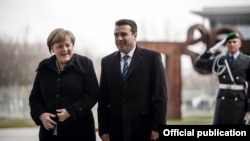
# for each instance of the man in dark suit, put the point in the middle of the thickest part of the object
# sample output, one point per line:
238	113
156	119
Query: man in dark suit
233	71
133	101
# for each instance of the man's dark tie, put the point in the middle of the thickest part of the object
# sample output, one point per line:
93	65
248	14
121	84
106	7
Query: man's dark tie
231	59
125	67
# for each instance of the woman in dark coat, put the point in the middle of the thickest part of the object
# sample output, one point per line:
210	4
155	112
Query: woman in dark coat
64	91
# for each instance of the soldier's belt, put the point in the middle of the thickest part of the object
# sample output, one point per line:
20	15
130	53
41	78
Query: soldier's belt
231	86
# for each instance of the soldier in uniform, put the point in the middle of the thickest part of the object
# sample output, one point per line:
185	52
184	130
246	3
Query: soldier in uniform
233	70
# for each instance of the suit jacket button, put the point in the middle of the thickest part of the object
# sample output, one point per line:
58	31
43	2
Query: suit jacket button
223	98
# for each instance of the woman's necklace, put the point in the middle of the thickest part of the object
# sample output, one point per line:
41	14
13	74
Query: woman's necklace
58	67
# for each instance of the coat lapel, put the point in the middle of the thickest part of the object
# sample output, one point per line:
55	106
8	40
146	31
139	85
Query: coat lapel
116	65
136	59
238	61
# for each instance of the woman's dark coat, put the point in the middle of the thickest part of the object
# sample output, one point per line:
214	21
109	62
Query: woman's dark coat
75	88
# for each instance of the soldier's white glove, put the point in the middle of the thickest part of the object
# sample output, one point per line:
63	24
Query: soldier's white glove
247	117
217	45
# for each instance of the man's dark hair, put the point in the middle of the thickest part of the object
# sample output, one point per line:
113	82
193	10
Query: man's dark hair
129	22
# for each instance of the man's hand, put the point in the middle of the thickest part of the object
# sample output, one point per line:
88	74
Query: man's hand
247	117
217	46
105	137
154	135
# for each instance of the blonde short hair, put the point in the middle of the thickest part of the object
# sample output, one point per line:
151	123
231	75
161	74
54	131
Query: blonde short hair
59	35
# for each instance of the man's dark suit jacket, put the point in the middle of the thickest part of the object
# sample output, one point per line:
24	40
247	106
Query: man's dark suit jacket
132	108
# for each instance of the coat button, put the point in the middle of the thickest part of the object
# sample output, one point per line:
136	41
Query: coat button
235	98
224	76
57	95
237	77
223	98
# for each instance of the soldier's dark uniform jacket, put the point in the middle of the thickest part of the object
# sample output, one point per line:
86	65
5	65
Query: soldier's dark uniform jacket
233	98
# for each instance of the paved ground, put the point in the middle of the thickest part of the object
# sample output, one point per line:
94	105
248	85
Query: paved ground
21	134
